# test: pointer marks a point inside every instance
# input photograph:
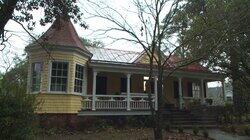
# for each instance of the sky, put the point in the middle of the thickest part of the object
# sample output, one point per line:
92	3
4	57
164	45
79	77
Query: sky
19	38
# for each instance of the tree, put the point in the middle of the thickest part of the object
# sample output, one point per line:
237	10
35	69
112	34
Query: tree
22	11
87	42
233	54
17	117
153	31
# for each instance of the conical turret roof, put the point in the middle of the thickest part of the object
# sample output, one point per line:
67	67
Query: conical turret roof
62	33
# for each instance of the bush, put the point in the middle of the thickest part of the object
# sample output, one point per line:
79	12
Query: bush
233	129
247	130
180	129
167	127
209	101
195	130
205	133
17	118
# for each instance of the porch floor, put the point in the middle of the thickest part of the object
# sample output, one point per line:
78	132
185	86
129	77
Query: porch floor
113	112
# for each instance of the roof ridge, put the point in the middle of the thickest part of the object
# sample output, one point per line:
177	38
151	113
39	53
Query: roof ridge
113	49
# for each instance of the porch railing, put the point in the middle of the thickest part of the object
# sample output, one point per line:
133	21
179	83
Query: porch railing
117	102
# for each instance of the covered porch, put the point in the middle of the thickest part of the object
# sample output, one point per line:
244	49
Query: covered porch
125	91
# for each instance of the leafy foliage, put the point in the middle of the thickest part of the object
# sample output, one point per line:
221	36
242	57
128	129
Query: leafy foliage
22	11
87	42
17	118
224	28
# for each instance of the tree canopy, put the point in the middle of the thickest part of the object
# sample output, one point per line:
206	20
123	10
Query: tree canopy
230	22
22	11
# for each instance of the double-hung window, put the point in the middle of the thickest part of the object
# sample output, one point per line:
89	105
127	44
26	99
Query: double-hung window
59	76
36	76
79	73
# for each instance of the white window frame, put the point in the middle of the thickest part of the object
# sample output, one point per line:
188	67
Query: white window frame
31	77
83	79
196	90
50	76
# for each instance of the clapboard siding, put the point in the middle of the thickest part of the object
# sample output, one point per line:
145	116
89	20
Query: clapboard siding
57	103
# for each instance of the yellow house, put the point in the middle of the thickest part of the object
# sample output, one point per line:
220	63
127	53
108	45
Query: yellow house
70	78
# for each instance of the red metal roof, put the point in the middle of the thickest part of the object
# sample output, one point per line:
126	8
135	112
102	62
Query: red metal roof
106	55
62	32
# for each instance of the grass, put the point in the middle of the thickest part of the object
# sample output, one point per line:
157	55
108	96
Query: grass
118	134
239	129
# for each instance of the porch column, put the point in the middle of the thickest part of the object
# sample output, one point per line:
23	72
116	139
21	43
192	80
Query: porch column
155	92
128	91
202	91
223	89
180	93
94	90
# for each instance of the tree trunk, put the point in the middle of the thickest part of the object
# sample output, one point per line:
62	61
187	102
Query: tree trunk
6	11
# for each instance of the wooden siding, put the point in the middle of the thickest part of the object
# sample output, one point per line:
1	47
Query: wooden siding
62	102
58	103
114	81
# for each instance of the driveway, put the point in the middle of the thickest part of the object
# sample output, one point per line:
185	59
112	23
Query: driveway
221	135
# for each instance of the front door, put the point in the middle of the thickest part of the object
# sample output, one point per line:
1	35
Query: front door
101	85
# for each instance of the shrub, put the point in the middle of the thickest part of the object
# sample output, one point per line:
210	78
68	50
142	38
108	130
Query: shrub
209	101
17	118
233	129
247	130
180	129
205	133
167	127
195	130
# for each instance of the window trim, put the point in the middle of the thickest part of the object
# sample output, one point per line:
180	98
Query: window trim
83	80
50	74
31	77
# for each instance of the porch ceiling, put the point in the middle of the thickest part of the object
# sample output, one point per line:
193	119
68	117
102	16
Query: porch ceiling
132	69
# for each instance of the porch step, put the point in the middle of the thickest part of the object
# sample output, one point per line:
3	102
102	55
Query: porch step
188	119
191	126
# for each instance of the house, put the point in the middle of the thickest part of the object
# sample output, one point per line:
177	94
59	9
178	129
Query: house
70	78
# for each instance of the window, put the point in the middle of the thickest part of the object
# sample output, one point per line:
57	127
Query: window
101	85
36	76
78	79
176	90
196	90
59	73
190	89
123	84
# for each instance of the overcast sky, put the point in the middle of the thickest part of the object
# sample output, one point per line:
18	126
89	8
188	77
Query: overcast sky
19	38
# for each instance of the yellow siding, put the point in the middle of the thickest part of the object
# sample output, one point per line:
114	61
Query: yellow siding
58	103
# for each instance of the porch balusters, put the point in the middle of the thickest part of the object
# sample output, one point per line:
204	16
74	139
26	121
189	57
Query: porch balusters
128	91
180	93
155	92
94	90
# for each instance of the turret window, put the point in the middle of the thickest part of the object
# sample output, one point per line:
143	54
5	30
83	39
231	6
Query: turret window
59	76
36	76
79	72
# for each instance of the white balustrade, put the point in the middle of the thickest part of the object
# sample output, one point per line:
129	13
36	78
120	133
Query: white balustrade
118	102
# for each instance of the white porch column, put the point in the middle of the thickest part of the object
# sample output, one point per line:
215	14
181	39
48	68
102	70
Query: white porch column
128	91
155	92
180	93
202	91
94	90
223	89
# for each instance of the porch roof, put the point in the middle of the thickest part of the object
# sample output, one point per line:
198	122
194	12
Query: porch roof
130	58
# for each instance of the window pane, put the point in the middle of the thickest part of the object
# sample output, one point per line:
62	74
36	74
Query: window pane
78	78
59	76
36	76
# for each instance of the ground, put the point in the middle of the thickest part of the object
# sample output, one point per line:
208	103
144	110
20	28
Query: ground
120	134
